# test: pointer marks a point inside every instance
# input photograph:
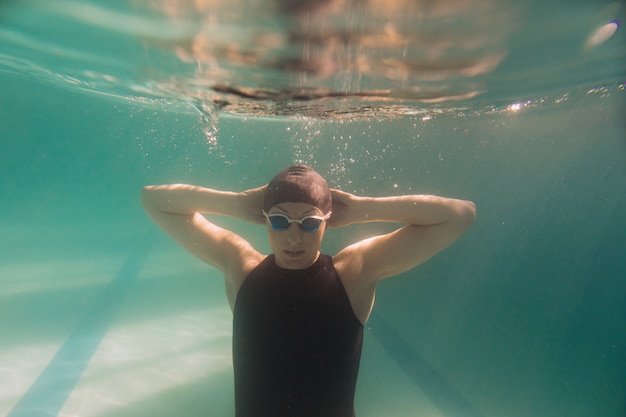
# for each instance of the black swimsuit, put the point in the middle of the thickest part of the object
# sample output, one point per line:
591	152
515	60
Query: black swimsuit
296	343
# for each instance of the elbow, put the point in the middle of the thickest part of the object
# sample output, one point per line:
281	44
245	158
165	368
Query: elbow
467	214
147	197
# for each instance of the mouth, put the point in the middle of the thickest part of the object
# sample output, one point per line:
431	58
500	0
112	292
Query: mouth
293	254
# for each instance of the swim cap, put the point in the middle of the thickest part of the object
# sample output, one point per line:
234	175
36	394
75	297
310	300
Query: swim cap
298	184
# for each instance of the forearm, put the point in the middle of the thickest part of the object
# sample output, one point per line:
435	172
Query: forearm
184	199
419	210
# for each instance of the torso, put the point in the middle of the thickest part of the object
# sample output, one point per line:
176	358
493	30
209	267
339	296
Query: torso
296	342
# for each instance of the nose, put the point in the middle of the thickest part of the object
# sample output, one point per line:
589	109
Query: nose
293	234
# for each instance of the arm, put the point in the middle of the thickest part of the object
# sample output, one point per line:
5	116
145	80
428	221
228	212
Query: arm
189	199
178	208
431	224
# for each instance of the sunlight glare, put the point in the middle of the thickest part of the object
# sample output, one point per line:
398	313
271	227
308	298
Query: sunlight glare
515	107
602	34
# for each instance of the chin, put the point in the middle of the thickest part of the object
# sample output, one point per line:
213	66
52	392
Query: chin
294	262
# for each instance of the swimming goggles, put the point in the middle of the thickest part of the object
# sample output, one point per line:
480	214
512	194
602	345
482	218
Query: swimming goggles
310	224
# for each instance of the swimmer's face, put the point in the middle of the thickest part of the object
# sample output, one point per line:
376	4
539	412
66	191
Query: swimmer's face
294	247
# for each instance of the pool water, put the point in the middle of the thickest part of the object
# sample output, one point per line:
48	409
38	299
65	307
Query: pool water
103	315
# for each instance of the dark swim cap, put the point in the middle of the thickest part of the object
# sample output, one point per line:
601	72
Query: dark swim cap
298	184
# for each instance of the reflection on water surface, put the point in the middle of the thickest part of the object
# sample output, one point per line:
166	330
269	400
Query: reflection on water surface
287	56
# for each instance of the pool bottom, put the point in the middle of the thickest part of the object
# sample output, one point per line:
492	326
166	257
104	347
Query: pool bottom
152	341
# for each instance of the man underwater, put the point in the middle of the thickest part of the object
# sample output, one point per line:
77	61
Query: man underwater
298	315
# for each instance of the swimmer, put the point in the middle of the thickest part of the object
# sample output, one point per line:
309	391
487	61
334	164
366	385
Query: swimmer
298	315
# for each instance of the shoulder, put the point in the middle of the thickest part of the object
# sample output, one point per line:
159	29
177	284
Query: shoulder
350	263
235	276
246	261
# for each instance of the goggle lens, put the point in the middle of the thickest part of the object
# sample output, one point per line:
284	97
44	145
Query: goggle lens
279	222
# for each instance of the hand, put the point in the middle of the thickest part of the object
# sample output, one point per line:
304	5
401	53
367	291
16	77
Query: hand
342	203
254	204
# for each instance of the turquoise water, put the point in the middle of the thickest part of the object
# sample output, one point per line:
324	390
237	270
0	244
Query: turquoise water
102	315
